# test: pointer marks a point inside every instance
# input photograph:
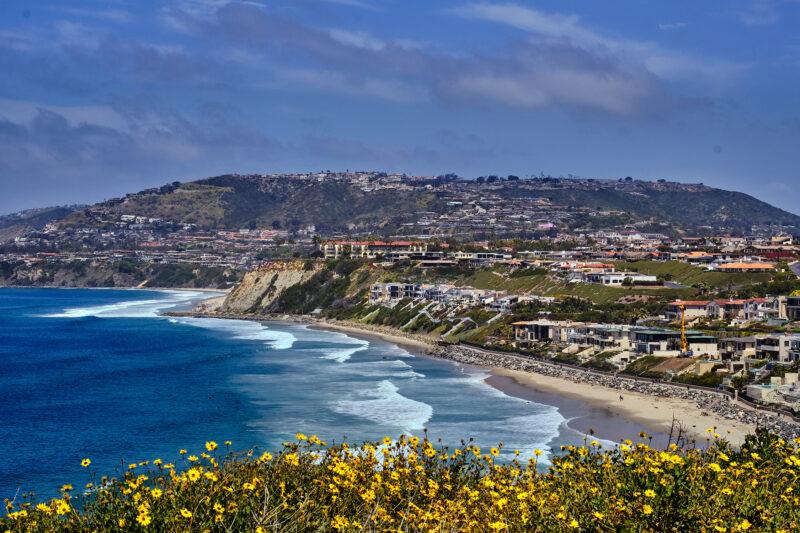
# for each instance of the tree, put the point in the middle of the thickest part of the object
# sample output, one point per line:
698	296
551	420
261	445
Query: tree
276	224
480	179
511	177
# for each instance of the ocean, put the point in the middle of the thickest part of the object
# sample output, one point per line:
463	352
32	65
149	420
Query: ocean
99	374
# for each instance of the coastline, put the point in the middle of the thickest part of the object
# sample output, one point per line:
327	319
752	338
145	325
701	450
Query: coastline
653	410
656	414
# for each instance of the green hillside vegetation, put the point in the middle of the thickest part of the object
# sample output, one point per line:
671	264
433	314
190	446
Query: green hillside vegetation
17	224
231	201
117	274
688	274
236	202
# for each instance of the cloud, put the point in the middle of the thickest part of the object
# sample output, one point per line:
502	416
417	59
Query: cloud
352	3
672	26
760	13
108	15
75	154
662	62
331	81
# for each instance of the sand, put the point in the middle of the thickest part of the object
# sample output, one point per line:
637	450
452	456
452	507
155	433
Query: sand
653	413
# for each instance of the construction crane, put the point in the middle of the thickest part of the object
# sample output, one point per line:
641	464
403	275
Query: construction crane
684	345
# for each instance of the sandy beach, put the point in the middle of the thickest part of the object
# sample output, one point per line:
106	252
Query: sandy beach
655	414
413	345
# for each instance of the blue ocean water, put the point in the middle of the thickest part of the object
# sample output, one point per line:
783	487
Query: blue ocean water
98	374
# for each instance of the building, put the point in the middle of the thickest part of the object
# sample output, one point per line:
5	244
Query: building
746	267
691	308
374	249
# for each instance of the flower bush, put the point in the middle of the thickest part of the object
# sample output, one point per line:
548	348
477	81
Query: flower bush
413	484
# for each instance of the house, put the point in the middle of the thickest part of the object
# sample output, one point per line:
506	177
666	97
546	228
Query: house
779	348
746	267
372	249
763	309
725	309
692	309
619	278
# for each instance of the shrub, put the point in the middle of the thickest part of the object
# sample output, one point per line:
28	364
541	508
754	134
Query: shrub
413	485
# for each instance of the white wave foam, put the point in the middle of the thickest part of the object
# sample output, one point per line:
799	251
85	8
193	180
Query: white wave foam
131	308
247	330
382	369
384	405
343	354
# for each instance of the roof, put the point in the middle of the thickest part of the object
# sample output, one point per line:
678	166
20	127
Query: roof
757	266
689	303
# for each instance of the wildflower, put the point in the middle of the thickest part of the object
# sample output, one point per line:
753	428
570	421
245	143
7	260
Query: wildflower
715	467
387	441
574	524
121	522
292	459
186	513
211	446
265	457
228	443
193	474
744	525
132	466
62	507
144	519
156	493
85	463
219	509
193	458
157	462
646	509
339	522
597	515
249	486
44	508
260	529
495	451
182	452
301	437
650	493
66	488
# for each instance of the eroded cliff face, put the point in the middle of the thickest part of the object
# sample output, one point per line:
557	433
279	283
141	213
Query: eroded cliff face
261	286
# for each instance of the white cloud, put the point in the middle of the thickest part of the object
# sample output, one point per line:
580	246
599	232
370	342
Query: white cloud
672	26
338	82
662	62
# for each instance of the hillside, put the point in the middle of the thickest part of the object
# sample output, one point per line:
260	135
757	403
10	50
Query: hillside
18	224
332	205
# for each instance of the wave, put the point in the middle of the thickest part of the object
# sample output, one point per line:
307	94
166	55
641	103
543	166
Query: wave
388	368
343	354
132	308
385	405
245	330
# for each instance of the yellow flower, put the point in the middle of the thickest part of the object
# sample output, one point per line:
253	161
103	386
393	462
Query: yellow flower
650	493
646	509
715	467
249	486
495	451
132	466
85	463
121	522
597	515
156	493
228	443
211	446
144	519
339	522
387	441
186	513
157	462
44	508
62	507
292	459
574	524
265	457
260	529
300	436
745	525
66	488
218	508
193	474
193	458
182	452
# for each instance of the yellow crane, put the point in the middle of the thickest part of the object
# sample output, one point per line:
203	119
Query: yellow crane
684	344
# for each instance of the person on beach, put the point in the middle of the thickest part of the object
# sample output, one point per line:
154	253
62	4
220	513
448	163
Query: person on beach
620	397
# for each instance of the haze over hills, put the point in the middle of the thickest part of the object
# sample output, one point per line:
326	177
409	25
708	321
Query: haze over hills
17	224
381	203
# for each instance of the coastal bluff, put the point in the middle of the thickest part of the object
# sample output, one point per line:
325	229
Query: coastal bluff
261	286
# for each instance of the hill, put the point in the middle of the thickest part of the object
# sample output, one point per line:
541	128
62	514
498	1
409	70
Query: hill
18	224
356	204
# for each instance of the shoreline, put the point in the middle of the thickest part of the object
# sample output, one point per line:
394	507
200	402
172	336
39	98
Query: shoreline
654	408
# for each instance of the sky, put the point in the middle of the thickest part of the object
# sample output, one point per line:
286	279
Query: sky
100	98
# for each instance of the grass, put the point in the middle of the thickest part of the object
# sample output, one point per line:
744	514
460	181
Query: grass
688	274
416	485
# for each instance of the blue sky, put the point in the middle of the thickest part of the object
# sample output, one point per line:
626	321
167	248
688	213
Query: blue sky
99	98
